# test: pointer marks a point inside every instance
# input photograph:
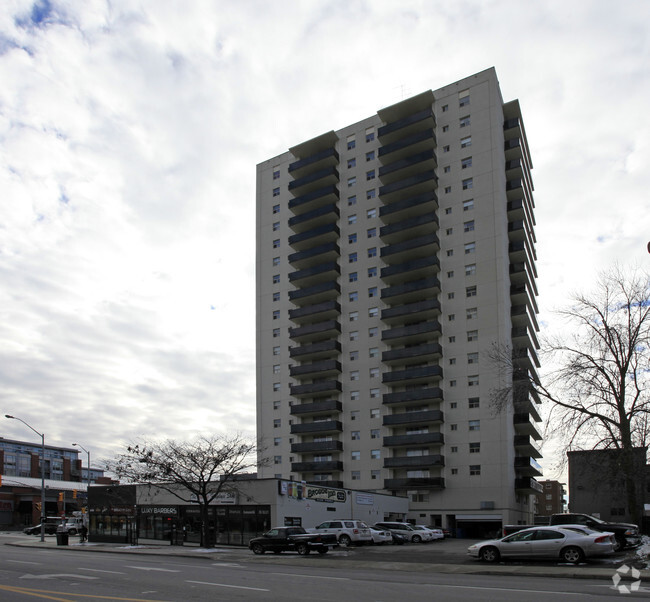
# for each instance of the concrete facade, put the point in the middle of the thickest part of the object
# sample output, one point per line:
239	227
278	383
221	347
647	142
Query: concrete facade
392	255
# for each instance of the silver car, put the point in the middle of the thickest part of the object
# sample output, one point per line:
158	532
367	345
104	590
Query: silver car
567	543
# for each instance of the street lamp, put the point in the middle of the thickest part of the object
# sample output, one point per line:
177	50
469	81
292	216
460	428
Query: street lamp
42	436
88	473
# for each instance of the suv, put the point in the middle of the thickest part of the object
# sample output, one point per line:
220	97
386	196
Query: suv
405	530
347	531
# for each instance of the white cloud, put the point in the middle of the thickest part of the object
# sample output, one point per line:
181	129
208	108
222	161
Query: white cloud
129	137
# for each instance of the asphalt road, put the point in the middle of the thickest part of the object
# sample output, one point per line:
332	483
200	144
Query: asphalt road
75	576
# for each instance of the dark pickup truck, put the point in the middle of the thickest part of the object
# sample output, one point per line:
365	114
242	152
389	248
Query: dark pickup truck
627	535
283	539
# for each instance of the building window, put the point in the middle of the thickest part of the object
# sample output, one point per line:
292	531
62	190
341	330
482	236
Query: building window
474	470
356	435
354	396
375	474
375	433
276	244
276	173
374	372
447	189
351	142
352	163
276	296
277	441
468	226
352	277
354	316
352	181
276	370
354	355
468	183
450	274
276	387
371	213
471	313
450	252
373	331
465	142
445	128
454	449
276	351
276	261
453	405
352	257
449	231
373	352
371	194
372	272
446	169
276	226
277	459
372	291
373	312
354	335
474	448
276	333
463	98
372	252
352	200
276	192
465	121
454	427
445	149
352	219
374	393
445	108
375	454
451	317
370	135
372	232
472	335
354	375
452	361
470	269
452	339
352	238
353	296
276	208
374	412
370	156
356	455
472	381
277	423
454	471
470	291
448	211
276	278
470	247
452	383
370	175
276	314
356	475
466	162
468	205
473	402
472	358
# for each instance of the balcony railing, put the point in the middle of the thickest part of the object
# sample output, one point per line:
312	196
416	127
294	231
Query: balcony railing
319	254
528	485
320	369
424	309
335	465
415	226
314	199
315	350
413	483
414	461
408	145
413	375
327	157
416	439
314	180
325	310
406	418
326	387
414	395
316	446
416	352
409	207
322	426
316	407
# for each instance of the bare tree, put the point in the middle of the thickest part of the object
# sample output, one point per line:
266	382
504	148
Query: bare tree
194	472
598	384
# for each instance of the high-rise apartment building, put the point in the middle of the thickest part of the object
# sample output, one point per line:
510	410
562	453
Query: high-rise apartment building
392	255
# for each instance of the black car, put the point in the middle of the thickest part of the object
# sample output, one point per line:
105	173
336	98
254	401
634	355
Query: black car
50	529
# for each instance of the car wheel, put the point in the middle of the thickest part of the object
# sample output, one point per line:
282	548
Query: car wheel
489	554
345	541
572	554
619	544
416	539
72	532
257	548
322	550
303	549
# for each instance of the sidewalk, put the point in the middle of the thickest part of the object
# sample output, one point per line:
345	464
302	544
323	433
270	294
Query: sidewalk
352	557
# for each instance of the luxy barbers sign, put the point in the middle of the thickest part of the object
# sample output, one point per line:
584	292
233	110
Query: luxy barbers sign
159	510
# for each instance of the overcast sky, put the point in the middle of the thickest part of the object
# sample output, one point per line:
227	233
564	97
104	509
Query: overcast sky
129	135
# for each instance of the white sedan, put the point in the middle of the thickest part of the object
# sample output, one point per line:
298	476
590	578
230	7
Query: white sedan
435	533
568	544
425	533
379	538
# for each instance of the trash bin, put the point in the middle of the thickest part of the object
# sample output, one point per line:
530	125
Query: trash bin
61	538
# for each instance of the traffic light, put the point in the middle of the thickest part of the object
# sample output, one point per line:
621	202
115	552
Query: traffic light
61	496
74	494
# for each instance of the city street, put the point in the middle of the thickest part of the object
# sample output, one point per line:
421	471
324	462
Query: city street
75	573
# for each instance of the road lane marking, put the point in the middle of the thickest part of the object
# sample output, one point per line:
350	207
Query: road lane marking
312	576
228	564
40	592
506	589
101	571
56	575
257	589
151	568
22	562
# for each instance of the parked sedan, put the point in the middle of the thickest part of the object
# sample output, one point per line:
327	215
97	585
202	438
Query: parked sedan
425	533
50	529
566	544
435	532
379	538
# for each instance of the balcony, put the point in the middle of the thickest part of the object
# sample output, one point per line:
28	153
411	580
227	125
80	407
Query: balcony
414	333
322	159
314	274
321	388
408	145
317	293
512	149
320	254
528	467
328	483
421	374
324	311
418	439
408	166
322	427
316	446
315	332
414	484
414	270
409	418
335	465
429	308
410	207
514	189
414	461
524	335
316	180
433	394
412	185
525	424
406	126
314	237
411	227
322	349
526	444
527	485
412	291
414	248
314	199
525	357
326	214
413	354
322	369
316	407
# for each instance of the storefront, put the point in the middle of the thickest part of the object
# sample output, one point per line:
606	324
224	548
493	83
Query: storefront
248	508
